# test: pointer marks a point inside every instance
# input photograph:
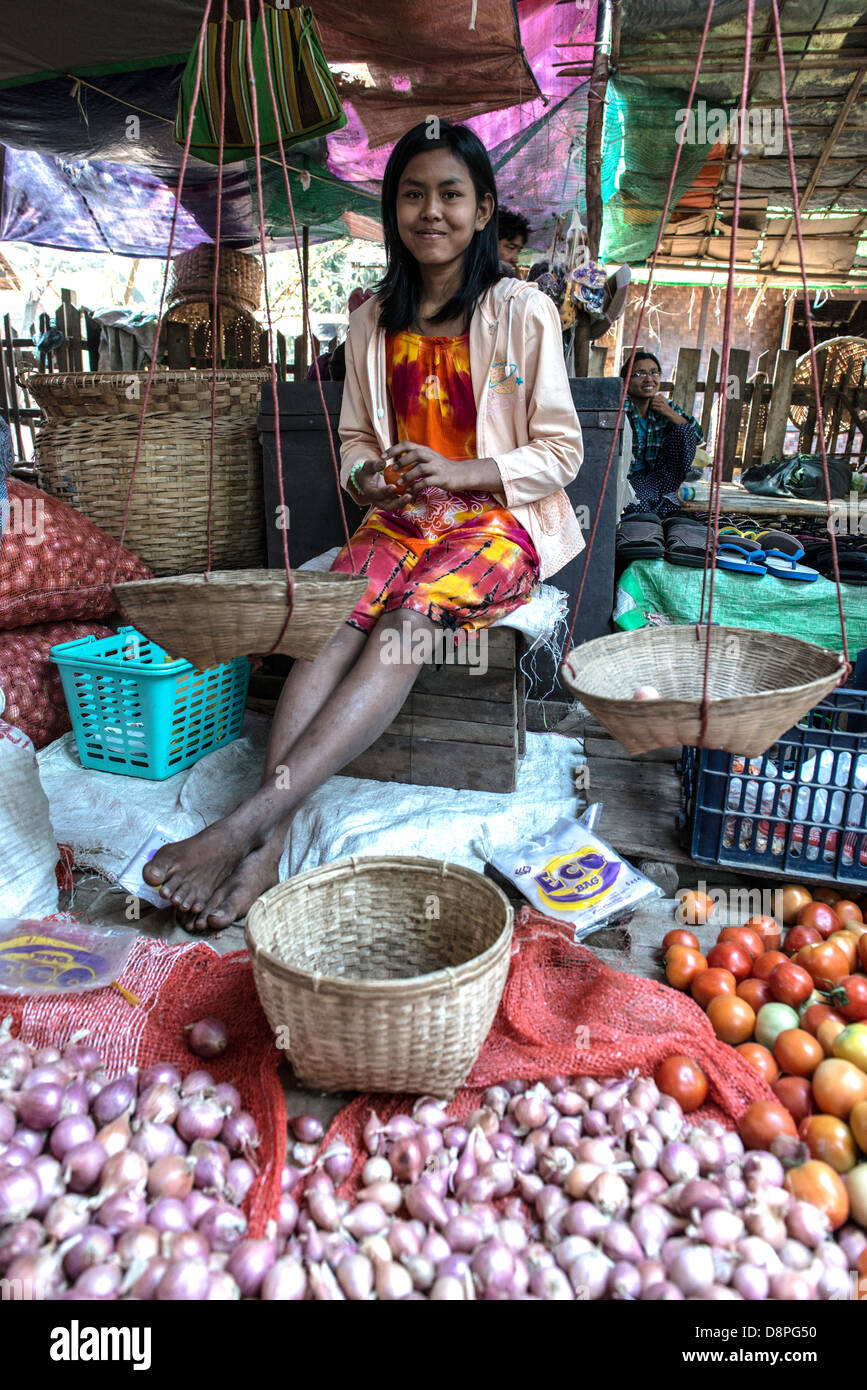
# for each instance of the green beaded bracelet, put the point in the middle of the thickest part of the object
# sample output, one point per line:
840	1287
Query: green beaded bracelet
352	474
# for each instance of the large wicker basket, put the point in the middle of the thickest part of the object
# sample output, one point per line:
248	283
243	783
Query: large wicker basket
86	450
759	683
383	974
240	612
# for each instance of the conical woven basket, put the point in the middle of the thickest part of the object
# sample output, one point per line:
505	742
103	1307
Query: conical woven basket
239	612
759	684
382	974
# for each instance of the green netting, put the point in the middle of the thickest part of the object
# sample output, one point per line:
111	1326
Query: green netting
639	144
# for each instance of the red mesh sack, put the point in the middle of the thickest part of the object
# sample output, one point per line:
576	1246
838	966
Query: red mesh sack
55	563
177	985
35	702
564	1012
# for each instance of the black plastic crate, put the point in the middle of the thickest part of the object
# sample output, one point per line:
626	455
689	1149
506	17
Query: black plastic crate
798	811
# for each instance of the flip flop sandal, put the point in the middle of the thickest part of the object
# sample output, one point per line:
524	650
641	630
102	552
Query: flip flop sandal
640	537
781	543
685	541
852	560
787	567
735	557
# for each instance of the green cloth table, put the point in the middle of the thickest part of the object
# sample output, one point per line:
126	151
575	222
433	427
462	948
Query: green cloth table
648	589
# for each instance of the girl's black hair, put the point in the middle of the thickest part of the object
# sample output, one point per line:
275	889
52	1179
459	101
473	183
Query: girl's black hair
399	290
641	353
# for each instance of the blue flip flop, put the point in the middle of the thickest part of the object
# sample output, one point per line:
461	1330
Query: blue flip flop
785	566
730	556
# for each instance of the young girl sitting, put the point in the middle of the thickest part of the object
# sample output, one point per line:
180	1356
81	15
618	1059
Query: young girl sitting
454	375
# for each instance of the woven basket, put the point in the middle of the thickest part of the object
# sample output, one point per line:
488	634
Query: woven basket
240	612
239	276
373	992
86	460
194	313
751	684
848	355
70	395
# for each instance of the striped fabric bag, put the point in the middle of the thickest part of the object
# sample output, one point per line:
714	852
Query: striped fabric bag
304	89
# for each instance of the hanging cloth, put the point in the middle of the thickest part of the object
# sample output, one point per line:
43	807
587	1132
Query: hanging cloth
306	98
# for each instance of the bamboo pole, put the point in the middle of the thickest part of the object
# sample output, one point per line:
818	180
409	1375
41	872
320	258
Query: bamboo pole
593	163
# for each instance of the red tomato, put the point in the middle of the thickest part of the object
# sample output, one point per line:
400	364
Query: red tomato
731	1018
850	997
728	955
769	929
790	984
820	916
763	1121
683	1079
680	937
825	963
682	964
760	1059
797	937
796	1093
766	963
848	911
695	907
830	1139
794	897
742	936
847	942
818	1184
756	992
816	1014
798	1052
826	895
827	1032
709	983
838	1086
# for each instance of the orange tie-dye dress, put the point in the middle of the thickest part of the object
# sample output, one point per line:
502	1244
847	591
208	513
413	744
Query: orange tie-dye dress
459	557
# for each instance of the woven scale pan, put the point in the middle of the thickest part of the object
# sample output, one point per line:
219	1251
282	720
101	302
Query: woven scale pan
759	684
840	363
239	612
70	395
374	992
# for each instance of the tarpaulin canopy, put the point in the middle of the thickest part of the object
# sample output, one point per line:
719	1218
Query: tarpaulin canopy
92	162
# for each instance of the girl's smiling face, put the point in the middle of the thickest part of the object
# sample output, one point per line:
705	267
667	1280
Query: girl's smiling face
437	208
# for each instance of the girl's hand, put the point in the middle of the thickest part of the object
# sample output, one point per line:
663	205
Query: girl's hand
424	467
373	487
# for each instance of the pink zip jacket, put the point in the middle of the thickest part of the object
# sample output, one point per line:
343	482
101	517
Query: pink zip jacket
526	420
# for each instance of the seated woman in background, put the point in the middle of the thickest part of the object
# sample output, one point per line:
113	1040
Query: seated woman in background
664	439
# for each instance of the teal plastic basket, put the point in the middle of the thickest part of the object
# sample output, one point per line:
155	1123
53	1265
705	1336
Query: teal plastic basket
136	712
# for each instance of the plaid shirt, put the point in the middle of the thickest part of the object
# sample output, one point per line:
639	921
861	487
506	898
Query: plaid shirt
651	431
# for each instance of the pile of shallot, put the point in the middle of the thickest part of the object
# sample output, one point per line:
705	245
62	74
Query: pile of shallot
570	1189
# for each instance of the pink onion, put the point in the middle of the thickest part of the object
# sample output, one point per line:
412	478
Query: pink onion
40	1106
624	1281
162	1073
169	1214
121	1211
248	1264
170	1177
65	1218
145	1286
138	1244
92	1247
159	1104
197	1083
81	1058
200	1118
222	1287
20	1192
154	1141
208	1038
223	1227
123	1170
751	1282
114	1099
66	1134
48	1174
184	1280
83	1164
589	1275
239	1134
196	1205
24	1238
285	1282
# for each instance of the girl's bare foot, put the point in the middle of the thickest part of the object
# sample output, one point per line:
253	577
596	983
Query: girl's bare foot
235	895
190	872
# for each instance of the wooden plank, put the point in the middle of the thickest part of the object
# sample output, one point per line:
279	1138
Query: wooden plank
837	411
710	387
230	348
521	697
755	413
685	378
200	346
245	346
435	763
618	773
739	361
736	499
459	680
178	345
823	367
264	352
72	318
454	730
595	747
780	405
282	370
453	707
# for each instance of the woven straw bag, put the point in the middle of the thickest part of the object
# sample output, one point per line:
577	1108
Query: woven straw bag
384	974
759	684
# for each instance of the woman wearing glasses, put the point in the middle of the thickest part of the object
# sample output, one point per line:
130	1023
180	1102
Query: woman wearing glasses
664	439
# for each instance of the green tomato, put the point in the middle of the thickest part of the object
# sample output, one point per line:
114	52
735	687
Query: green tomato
773	1019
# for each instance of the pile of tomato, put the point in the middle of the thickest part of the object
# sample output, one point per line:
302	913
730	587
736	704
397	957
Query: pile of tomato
792	1000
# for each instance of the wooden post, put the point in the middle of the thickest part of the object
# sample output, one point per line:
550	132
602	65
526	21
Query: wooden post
685	378
779	406
739	362
593	160
702	318
710	386
788	319
305	276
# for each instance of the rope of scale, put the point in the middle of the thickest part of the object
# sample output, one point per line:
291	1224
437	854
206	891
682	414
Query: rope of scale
714	500
215	336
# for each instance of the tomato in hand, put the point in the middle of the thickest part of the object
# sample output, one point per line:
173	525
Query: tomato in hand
682	964
769	929
756	992
820	916
798	1052
742	936
728	955
796	1093
825	963
829	1139
707	984
817	1183
762	1121
680	937
838	1086
796	937
790	984
684	1080
818	1013
760	1059
766	963
850	997
731	1018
